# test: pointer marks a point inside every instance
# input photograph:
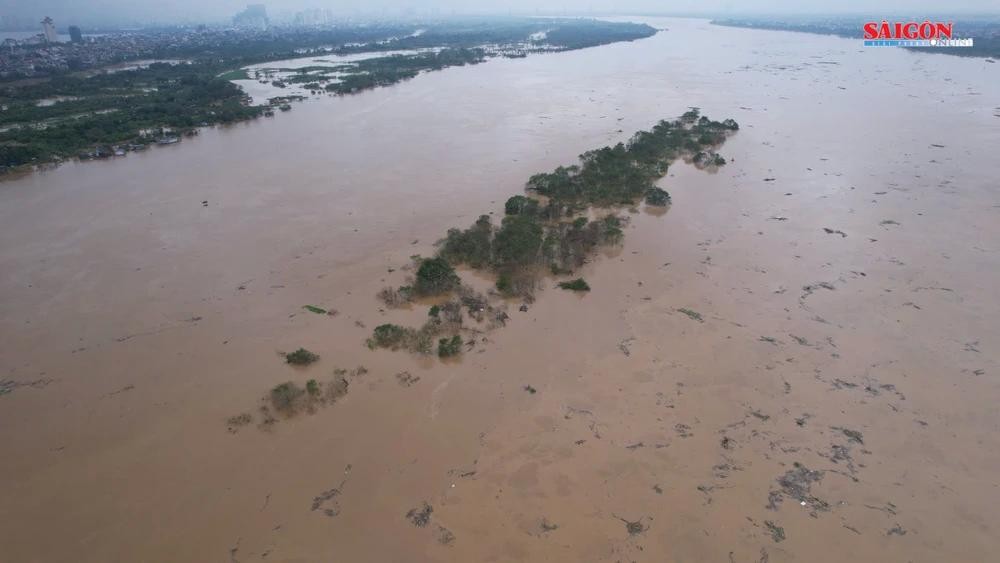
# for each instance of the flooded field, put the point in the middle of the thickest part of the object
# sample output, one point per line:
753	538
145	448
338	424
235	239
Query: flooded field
796	362
260	85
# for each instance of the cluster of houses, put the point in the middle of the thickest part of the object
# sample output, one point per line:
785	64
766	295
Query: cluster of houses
162	136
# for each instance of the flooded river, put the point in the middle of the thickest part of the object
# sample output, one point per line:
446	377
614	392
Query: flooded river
836	400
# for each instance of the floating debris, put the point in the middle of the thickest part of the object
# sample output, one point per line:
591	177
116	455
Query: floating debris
797	484
633	528
777	532
405	379
852	435
799	340
327	497
690	313
445	536
421	516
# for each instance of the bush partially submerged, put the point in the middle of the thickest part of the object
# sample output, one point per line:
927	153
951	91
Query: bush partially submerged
395	337
388	336
394	298
658	197
444	319
450	346
517	242
703	159
471	246
312	387
434	277
515	283
285	397
301	357
288	399
568	245
575	285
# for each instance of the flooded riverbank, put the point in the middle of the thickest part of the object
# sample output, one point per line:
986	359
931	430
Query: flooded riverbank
137	319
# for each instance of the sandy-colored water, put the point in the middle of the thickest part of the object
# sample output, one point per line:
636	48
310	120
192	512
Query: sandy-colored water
135	321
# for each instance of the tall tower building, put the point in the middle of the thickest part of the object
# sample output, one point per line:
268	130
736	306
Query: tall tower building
49	30
75	35
254	16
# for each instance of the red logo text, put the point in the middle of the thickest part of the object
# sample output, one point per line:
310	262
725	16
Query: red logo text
908	30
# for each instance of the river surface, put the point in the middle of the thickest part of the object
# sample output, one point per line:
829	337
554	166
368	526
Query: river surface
836	401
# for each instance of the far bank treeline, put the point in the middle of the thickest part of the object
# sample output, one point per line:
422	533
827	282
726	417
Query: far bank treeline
78	114
565	217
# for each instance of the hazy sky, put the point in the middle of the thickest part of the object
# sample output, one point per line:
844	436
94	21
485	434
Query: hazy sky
65	12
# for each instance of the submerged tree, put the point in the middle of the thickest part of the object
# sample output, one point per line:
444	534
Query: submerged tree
658	197
434	277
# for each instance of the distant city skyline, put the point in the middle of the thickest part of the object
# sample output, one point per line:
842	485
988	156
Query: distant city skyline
18	14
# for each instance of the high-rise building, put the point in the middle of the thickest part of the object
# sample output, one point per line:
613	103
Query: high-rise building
49	30
75	35
313	16
255	15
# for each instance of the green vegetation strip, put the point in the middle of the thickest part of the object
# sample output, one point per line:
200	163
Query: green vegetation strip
550	230
301	357
103	113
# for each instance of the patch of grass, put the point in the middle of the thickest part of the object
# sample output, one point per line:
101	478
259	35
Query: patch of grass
314	309
448	347
692	314
238	74
575	285
301	357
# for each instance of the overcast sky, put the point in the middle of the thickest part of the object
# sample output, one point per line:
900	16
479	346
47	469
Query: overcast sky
65	12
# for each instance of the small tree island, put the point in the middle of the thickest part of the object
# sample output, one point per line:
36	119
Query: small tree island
553	230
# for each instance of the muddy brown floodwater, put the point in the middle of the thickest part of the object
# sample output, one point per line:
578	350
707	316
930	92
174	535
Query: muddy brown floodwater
836	400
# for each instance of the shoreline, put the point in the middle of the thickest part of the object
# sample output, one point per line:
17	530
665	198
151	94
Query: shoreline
163	101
